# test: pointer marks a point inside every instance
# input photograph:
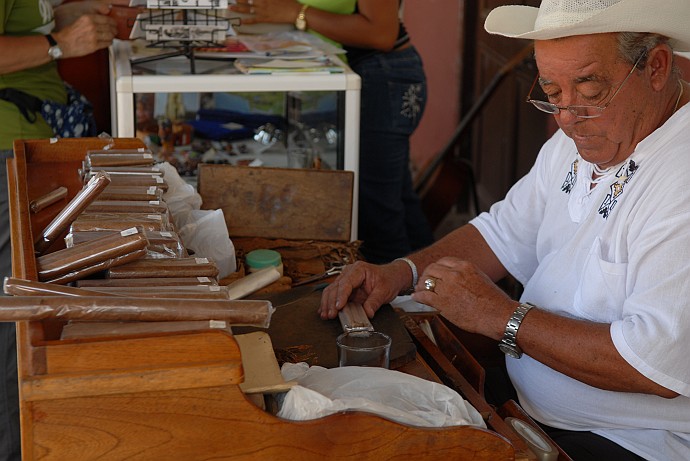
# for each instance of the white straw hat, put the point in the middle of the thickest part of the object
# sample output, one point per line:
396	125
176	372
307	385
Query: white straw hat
563	18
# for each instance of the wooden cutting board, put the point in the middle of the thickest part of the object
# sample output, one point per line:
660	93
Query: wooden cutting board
298	327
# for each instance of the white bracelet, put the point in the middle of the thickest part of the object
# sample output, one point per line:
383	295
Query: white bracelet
413	268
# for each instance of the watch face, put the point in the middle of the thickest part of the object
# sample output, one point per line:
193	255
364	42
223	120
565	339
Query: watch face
510	350
301	24
55	52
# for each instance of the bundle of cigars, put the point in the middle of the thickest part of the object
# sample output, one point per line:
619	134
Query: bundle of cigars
116	238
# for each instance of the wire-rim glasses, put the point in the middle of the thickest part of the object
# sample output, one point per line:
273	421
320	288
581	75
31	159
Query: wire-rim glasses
579	111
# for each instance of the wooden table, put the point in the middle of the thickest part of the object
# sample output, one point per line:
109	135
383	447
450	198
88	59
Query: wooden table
175	396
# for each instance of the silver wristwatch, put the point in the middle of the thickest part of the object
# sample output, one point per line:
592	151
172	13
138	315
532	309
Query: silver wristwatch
54	51
508	344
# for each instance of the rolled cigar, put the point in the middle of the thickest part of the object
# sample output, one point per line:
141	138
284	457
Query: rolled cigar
127	206
179	267
20	287
150	281
177	291
131	193
64	219
48	199
98	250
118	157
113	170
165	244
162	244
120	221
98	267
255	313
147	180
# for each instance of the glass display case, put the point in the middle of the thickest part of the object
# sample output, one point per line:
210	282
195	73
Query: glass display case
217	114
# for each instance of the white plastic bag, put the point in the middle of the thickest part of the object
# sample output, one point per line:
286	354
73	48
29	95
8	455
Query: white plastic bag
391	394
206	234
202	231
180	197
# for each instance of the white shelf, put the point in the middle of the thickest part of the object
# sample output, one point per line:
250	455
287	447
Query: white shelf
171	75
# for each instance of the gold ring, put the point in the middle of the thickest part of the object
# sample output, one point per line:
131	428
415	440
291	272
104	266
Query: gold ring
430	284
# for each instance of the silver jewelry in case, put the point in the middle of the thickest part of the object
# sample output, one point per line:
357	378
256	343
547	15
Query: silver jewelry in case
508	344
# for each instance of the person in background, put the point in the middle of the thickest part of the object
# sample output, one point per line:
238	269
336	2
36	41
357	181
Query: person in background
597	232
33	36
393	96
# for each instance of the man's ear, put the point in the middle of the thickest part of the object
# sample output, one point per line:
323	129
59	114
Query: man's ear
660	65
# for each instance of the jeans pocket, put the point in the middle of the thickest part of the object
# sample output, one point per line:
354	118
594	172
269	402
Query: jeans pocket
407	100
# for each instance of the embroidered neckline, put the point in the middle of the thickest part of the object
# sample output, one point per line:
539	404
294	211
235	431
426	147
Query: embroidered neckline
623	175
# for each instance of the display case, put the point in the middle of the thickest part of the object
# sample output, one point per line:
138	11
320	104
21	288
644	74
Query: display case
172	77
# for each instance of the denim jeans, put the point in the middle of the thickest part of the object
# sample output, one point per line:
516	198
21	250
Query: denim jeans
9	395
391	221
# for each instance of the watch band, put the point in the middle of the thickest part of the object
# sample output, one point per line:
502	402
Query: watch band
301	21
54	50
508	343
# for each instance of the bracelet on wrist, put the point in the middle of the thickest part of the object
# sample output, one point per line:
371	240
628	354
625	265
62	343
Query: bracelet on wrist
415	275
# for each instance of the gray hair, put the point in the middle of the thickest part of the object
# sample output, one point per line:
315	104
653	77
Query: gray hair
632	45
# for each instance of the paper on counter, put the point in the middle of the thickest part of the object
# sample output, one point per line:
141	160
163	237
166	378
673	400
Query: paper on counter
407	304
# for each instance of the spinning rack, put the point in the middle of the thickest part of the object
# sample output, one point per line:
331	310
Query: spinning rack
183	25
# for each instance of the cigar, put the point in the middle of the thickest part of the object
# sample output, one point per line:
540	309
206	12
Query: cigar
20	287
89	222
150	281
48	199
147	180
73	209
127	206
98	267
178	267
113	170
89	254
162	244
153	291
255	313
131	193
118	157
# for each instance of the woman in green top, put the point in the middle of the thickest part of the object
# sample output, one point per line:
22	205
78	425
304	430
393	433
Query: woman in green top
27	64
391	222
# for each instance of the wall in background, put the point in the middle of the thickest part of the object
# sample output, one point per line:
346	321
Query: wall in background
435	28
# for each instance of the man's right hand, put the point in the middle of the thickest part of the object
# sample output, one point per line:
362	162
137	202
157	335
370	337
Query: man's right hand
365	283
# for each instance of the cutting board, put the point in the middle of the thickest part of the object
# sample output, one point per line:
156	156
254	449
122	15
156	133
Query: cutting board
298	325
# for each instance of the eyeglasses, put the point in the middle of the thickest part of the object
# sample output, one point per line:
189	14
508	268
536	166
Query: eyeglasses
579	111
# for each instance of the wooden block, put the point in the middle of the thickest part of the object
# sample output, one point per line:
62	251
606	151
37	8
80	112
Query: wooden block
280	203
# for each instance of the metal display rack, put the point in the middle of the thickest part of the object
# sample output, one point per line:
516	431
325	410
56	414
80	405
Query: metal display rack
183	26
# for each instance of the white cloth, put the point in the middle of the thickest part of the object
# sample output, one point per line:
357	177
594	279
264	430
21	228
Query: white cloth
631	270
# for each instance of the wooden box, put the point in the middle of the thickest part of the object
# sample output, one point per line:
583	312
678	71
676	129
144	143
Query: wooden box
172	396
298	204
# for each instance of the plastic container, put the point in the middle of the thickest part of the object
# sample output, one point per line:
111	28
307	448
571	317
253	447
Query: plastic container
260	259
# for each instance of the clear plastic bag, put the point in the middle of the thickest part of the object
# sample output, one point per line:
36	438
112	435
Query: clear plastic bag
391	394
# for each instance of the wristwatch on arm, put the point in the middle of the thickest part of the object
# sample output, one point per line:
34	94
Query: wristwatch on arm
508	344
301	21
55	52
